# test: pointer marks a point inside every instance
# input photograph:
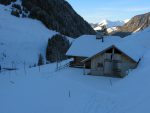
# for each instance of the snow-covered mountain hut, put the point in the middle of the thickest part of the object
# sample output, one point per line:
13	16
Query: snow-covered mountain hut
108	58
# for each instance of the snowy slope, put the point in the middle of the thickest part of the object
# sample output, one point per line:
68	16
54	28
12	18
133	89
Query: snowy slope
68	90
109	24
133	91
111	29
21	40
126	20
47	91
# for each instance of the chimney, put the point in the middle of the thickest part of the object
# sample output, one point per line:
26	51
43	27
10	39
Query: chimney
99	35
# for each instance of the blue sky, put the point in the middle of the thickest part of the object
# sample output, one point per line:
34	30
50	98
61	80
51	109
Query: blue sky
96	10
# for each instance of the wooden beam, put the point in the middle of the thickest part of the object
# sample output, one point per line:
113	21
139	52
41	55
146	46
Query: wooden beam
84	69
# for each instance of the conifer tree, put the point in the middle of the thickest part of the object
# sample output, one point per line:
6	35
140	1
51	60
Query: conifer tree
41	60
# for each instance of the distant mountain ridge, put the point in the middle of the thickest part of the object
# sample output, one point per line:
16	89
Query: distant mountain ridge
108	24
136	24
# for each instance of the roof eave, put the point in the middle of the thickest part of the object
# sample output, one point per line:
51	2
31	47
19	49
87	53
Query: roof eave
89	58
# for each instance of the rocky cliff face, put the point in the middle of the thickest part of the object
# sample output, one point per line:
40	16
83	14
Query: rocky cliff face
137	23
58	15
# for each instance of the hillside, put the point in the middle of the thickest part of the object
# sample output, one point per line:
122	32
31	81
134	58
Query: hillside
21	40
58	15
137	23
47	90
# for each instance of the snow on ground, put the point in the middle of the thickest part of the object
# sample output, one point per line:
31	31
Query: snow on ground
68	90
126	20
47	91
112	29
133	91
21	40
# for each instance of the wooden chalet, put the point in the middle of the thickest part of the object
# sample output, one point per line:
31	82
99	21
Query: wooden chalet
108	58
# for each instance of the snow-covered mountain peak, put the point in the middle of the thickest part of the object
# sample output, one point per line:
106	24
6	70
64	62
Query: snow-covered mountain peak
104	22
109	24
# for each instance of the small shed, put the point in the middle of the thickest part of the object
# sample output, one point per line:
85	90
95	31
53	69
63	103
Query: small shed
111	62
87	45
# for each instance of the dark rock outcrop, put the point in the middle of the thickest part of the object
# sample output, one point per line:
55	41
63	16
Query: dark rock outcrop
58	15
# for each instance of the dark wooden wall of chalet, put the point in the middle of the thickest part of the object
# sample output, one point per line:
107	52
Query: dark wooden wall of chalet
77	62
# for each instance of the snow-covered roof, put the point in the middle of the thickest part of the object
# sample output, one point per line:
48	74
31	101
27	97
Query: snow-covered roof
88	46
134	52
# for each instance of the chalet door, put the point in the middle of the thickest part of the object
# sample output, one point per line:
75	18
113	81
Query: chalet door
108	68
117	68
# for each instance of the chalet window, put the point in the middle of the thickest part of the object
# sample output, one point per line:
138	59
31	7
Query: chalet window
99	65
